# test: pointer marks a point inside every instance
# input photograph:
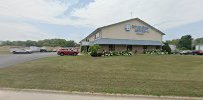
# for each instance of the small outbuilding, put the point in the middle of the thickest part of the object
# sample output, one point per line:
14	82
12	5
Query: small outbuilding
199	47
173	47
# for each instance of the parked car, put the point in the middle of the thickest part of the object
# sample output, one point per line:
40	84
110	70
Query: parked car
63	52
197	52
21	51
43	50
186	52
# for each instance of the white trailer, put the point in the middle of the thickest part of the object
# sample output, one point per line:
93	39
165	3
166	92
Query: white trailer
35	49
199	47
173	47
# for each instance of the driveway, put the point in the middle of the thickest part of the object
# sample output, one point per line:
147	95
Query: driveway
12	59
30	95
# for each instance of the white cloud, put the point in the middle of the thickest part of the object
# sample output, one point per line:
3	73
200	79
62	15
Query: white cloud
13	13
21	31
41	10
163	14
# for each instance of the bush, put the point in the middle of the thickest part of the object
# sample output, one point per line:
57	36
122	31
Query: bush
166	48
94	51
96	54
183	48
114	53
156	52
99	54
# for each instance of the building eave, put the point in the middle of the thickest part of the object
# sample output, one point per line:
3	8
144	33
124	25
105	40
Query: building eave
108	41
93	33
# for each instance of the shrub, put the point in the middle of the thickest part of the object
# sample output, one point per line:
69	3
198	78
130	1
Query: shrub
166	48
183	48
155	52
94	51
114	53
99	54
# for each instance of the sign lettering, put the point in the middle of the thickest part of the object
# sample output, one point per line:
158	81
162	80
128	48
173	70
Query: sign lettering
138	29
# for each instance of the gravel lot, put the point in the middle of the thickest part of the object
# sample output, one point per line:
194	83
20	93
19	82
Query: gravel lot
12	59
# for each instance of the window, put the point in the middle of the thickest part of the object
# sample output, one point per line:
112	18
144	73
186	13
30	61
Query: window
94	37
97	35
128	27
144	47
87	49
111	47
87	40
129	47
158	47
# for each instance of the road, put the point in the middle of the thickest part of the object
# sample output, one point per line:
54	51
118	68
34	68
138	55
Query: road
12	59
30	95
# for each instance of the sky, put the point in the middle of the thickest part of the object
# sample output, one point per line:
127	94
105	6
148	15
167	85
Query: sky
75	19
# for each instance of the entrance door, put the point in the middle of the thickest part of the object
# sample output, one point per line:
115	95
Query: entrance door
111	47
129	47
87	49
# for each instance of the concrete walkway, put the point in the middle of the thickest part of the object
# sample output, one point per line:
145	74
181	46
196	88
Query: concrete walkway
34	95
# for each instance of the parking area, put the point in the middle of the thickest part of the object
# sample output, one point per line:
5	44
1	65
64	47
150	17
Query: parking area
11	59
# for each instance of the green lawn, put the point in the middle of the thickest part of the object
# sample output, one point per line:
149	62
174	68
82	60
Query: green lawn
140	74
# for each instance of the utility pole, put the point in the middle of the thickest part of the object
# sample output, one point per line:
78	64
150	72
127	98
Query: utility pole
131	13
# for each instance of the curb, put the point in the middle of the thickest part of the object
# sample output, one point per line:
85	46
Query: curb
101	94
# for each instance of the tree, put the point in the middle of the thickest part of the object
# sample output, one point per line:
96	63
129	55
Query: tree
173	42
70	43
30	43
4	43
185	43
40	43
166	48
198	41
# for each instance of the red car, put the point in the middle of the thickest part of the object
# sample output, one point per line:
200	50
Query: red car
63	52
197	52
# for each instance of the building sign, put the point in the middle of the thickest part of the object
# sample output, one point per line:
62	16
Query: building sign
137	29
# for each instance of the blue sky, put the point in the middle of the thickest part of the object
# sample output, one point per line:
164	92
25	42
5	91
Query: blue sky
75	19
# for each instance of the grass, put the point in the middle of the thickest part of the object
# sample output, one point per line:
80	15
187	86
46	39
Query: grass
140	74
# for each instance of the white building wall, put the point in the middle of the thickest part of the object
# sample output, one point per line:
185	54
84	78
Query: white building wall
118	31
173	47
199	47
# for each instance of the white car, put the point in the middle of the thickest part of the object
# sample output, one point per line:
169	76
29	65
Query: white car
186	52
21	51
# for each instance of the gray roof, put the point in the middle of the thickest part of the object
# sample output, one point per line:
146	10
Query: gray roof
125	42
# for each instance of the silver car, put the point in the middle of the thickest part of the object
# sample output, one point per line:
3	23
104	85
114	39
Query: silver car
21	51
186	52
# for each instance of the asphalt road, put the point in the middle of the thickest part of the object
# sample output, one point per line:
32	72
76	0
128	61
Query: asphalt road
12	59
29	95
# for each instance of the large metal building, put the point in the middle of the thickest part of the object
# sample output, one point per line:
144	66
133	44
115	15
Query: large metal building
132	35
